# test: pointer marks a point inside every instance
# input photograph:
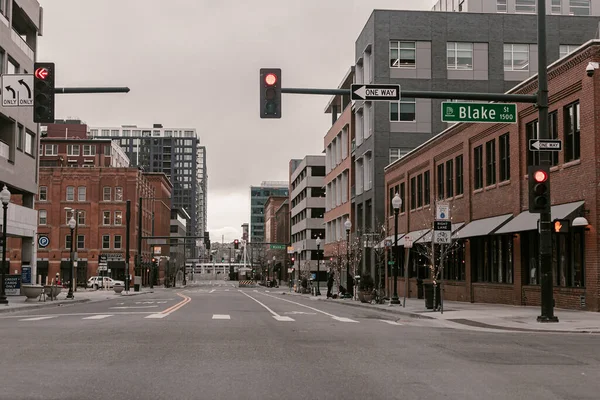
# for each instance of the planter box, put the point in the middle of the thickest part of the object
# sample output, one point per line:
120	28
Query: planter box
365	296
31	291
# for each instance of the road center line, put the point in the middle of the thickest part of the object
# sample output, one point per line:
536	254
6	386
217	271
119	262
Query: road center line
275	315
172	309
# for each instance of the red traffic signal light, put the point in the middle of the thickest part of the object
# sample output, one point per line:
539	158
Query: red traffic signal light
540	176
271	79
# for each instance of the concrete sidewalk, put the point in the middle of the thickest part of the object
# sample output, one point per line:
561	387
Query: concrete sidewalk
19	303
490	316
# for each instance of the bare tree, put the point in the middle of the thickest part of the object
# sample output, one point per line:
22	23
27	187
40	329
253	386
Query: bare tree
374	239
336	262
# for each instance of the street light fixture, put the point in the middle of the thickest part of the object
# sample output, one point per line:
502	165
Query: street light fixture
318	241
396	204
348	226
72	224
5	199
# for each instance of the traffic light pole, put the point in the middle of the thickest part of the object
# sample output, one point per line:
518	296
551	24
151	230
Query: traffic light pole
94	90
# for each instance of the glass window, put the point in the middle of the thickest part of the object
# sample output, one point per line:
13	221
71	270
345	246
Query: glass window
516	57
427	186
490	159
72	149
501	6
440	181
89	149
43	193
405	110
106	217
571	115
459	55
118	193
492	259
80	242
553	129
420	190
81	192
555	7
454	266
13	67
118	241
43	217
81	217
566	49
397	153
478	167
504	143
70	193
402	197
413	193
106	241
531	132
68	242
449	178
118	217
458	161
106	193
525	6
579	7
51	149
403	54
29	142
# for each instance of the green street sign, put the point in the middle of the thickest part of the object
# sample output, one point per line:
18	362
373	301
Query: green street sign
390	263
278	247
479	112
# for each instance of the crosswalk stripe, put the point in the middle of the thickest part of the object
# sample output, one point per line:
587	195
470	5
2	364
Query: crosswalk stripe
283	319
37	318
156	316
220	316
390	322
101	316
344	319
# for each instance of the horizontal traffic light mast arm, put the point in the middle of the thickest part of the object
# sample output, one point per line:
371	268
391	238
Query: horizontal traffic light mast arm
80	90
172	237
422	94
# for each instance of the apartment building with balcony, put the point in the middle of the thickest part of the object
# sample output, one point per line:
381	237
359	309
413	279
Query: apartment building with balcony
20	26
307	210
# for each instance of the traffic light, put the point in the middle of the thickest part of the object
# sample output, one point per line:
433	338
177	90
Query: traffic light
561	225
293	259
43	92
270	93
539	189
236	244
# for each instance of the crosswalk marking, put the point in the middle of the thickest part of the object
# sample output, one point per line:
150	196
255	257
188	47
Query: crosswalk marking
281	318
220	316
390	322
344	319
156	316
37	318
101	316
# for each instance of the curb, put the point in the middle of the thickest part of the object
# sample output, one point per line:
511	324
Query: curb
43	305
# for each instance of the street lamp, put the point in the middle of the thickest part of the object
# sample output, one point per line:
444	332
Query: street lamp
348	225
274	258
74	213
318	293
72	224
5	198
396	204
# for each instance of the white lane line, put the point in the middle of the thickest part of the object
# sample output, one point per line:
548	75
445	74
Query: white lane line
37	318
221	316
390	322
275	315
341	319
227	290
159	315
101	316
212	290
125	307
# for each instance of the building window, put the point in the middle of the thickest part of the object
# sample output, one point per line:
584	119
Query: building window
525	6
516	57
43	217
106	242
504	143
579	7
531	132
106	193
80	242
490	158
402	197
117	242
68	242
81	192
404	111
458	161
566	49
118	217
478	175
440	181
427	186
43	193
70	193
51	149
492	259
29	141
397	153
459	55
556	8
501	6
20	137
106	218
118	193
454	266
72	149
420	191
89	149
553	129
413	193
81	218
13	67
571	116
403	54
449	178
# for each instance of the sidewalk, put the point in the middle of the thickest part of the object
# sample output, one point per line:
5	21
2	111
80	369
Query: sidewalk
487	316
19	303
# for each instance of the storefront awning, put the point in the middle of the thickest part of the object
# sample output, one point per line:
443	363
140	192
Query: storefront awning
415	236
427	237
527	221
381	244
481	227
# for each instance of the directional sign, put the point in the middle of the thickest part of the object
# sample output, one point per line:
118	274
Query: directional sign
376	92
545	144
479	112
17	90
442	237
43	241
442	226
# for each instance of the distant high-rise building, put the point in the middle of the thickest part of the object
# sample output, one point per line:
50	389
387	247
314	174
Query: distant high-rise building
258	198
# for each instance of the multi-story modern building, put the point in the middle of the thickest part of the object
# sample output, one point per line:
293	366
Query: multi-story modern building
258	198
19	139
175	152
307	203
440	51
179	220
553	7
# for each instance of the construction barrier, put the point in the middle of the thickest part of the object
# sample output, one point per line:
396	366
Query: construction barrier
247	284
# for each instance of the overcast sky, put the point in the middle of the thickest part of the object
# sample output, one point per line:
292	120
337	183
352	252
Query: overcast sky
195	63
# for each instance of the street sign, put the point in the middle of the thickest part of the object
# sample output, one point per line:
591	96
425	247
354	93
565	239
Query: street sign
102	268
43	241
545	144
278	247
442	226
376	92
290	250
157	250
442	237
408	242
17	90
442	211
479	112
388	243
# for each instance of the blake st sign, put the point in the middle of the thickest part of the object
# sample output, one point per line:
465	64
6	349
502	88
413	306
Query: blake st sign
479	112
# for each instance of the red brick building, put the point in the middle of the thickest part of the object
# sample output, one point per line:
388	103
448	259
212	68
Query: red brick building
480	170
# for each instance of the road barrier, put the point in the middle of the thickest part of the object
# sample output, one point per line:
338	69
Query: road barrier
247	284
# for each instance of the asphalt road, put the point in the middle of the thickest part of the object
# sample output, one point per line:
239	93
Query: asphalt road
217	342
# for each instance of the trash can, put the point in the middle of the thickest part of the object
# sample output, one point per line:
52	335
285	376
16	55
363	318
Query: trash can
429	296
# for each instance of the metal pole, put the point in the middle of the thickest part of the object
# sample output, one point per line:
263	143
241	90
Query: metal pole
74	280
70	294
348	295
138	266
127	240
3	299
442	256
547	295
406	258
80	90
395	299
318	269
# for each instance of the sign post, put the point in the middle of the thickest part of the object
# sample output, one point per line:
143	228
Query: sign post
479	112
408	244
442	234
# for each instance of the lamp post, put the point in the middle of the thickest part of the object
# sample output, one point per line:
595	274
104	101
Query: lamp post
318	293
72	224
75	213
274	259
396	204
5	198
348	226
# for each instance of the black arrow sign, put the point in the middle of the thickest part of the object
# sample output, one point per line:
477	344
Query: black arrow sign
13	91
22	82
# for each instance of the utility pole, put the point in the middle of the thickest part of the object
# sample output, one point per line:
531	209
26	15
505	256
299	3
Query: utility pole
138	266
127	242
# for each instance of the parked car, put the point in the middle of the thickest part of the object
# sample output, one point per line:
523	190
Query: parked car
97	282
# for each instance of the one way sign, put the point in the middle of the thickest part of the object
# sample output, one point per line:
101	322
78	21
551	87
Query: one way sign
545	144
376	92
17	90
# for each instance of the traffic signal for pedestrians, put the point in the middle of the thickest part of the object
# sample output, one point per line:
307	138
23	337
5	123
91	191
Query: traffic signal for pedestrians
270	93
43	92
236	244
539	189
561	225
